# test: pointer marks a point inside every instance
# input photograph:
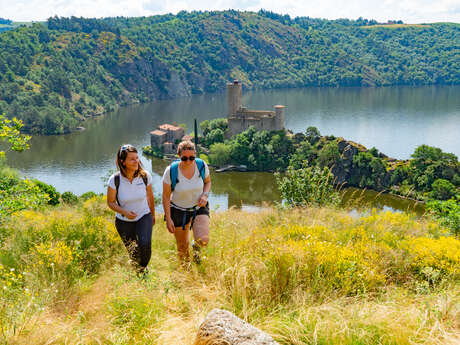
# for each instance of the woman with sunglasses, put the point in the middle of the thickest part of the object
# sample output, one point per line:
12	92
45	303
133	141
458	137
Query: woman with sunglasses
130	195
185	200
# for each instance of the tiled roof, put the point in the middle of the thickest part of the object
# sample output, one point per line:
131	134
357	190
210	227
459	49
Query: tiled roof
167	126
158	132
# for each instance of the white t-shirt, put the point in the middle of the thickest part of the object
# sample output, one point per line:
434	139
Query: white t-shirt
187	191
132	195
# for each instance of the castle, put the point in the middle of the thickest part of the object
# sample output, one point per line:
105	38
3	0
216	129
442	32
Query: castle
240	118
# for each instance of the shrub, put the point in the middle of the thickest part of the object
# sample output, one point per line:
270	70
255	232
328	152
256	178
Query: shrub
48	189
22	194
153	152
304	154
308	186
447	213
342	255
88	195
69	198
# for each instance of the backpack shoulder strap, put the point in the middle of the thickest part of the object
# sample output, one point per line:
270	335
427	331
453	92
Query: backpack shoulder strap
117	185
145	179
201	168
173	173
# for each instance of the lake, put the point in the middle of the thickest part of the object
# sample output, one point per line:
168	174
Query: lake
393	119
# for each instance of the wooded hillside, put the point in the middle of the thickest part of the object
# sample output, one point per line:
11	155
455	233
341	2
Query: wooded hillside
54	76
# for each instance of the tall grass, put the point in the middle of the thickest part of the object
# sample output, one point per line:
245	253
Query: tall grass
312	276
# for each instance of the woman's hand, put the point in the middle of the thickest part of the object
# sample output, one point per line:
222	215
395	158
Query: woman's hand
130	214
203	200
170	225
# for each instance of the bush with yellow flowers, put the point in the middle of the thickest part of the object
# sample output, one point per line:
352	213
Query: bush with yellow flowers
348	257
60	244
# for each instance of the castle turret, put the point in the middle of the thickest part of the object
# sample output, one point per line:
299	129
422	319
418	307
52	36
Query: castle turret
279	117
234	96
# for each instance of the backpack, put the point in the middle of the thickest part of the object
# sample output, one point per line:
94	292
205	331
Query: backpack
174	171
117	184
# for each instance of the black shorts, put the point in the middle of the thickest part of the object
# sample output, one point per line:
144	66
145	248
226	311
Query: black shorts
177	215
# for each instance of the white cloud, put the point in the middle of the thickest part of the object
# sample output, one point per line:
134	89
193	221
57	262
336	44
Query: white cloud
410	11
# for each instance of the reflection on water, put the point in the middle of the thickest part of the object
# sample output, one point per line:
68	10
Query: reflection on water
393	119
232	188
364	199
246	190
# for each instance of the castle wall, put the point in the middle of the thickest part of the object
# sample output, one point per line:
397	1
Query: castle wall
267	123
252	121
235	126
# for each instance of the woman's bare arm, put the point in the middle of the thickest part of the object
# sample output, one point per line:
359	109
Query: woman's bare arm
167	207
202	201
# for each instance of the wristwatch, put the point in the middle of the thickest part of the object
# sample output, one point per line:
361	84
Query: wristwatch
205	193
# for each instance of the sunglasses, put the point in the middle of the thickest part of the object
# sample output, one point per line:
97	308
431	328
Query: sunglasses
185	159
126	148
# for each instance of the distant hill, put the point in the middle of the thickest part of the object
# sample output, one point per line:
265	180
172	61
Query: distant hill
55	75
5	24
8	24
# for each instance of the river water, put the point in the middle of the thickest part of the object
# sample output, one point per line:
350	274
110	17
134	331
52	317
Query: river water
393	119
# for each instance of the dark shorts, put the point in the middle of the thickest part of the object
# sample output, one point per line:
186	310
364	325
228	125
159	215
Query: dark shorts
177	215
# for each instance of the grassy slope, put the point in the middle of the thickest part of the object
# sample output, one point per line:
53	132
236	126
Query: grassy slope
257	267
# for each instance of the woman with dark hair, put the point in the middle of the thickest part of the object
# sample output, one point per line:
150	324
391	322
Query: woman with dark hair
130	195
186	186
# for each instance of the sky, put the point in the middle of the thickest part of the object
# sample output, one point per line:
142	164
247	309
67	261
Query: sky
409	11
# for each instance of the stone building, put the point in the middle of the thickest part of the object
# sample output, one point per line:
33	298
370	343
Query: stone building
240	118
167	137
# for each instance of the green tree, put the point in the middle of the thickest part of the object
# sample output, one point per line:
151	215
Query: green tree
219	154
312	135
10	131
304	154
214	136
369	171
15	194
442	190
329	155
446	213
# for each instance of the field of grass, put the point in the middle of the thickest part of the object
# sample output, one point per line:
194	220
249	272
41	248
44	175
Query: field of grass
312	276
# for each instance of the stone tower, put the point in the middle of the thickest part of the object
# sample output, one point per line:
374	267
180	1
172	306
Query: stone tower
234	95
279	117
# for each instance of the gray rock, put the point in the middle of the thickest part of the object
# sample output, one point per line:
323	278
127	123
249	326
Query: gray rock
221	327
